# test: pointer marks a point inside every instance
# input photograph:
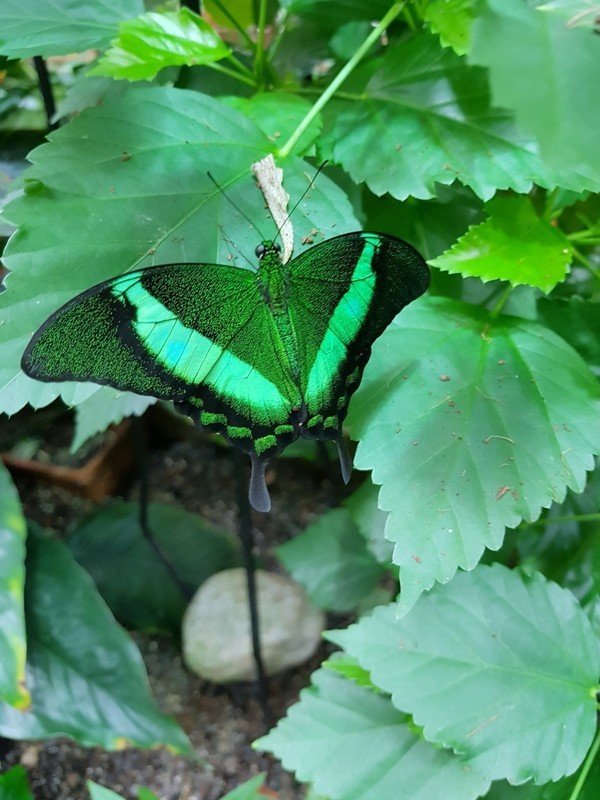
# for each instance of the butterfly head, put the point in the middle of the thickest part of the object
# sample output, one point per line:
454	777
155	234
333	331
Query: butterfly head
268	247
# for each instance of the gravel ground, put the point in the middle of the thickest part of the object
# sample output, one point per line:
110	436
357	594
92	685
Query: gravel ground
221	722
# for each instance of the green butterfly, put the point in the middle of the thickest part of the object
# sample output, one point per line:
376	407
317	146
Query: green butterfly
262	357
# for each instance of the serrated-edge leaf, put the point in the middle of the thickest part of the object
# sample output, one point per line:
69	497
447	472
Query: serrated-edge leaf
510	684
104	408
512	244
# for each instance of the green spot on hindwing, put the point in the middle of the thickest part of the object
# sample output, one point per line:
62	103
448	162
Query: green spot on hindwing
283	430
316	420
237	432
208	418
264	443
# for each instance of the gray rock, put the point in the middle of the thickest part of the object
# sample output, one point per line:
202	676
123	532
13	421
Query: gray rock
216	626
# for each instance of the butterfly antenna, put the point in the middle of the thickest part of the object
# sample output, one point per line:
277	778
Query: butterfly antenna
235	205
302	196
233	246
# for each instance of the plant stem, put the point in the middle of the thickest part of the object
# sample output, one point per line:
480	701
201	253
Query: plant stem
242	67
232	74
501	302
585	261
259	53
339	95
587	765
391	15
46	91
226	13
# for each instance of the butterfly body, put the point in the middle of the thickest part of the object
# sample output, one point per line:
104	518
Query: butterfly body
262	357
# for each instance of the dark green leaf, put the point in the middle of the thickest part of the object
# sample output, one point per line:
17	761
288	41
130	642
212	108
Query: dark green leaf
513	244
13	532
127	571
149	43
48	28
331	561
559	99
352	744
14	785
510	684
436	420
578	322
425	118
331	14
125	185
87	677
249	790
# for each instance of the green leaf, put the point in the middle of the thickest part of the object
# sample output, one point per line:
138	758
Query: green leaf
138	163
14	785
349	668
513	244
425	118
104	408
13	532
510	684
431	226
331	14
87	677
576	12
437	422
331	561
146	794
559	100
352	744
578	322
249	790
130	576
451	20
98	792
47	28
370	520
278	114
149	43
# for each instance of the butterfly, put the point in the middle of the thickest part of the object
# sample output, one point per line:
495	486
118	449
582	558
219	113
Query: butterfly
263	357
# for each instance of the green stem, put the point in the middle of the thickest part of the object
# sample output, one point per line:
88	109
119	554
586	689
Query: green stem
585	261
242	67
226	13
339	95
565	518
391	15
587	765
259	53
232	74
501	302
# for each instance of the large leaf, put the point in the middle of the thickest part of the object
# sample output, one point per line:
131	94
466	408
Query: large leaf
128	572
87	677
13	532
149	43
352	744
510	683
470	424
513	244
330	559
249	790
14	785
125	185
50	28
102	409
425	117
578	322
559	99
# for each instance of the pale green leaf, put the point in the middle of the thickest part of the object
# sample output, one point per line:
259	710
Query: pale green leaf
138	163
103	408
348	667
513	244
50	28
470	425
510	684
14	785
331	561
149	43
98	792
549	74
249	790
87	677
451	20
576	12
370	519
13	532
131	578
424	118
352	744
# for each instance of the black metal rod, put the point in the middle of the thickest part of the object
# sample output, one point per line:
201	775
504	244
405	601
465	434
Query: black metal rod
247	537
140	443
46	91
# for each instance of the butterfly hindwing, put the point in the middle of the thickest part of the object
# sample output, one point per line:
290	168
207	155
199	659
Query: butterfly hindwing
343	294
